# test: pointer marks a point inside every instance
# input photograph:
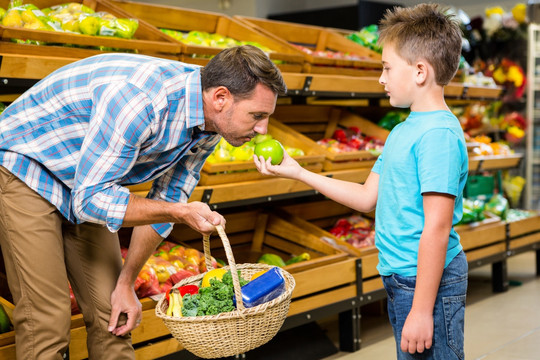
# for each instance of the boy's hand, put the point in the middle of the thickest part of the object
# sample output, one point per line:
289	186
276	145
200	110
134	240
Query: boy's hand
288	167
417	333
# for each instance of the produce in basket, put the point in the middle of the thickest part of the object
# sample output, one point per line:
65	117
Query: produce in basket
263	288
170	264
243	328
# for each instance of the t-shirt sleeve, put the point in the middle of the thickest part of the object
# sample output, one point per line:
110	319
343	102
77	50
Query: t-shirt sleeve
439	162
377	167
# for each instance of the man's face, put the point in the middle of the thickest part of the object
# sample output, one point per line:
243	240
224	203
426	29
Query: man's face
245	118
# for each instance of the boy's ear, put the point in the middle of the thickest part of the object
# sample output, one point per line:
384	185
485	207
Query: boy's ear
422	71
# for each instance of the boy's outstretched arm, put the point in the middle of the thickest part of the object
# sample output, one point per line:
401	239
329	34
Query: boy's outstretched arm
417	333
360	197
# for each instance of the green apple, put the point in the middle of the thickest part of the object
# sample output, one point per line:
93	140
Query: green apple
270	149
71	25
89	25
125	28
242	153
260	138
12	18
107	27
222	155
292	151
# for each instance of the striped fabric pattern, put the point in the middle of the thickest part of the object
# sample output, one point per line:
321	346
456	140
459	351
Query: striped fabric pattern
87	130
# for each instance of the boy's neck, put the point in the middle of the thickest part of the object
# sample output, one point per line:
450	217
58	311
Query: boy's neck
429	99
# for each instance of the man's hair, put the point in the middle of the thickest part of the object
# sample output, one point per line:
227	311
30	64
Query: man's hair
426	32
240	69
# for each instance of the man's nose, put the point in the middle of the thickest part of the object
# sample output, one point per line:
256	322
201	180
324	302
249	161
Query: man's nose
261	127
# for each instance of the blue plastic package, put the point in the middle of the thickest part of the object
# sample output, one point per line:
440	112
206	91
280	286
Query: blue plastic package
266	287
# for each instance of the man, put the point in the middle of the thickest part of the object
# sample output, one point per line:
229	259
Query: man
68	148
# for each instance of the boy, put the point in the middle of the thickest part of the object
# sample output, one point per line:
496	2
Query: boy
416	185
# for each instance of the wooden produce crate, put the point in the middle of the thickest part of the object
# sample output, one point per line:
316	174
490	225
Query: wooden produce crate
328	277
235	171
319	122
318	217
7	340
147	39
181	19
483	239
320	39
482	92
524	232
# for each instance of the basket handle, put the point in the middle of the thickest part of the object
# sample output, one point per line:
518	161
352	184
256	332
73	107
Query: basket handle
230	259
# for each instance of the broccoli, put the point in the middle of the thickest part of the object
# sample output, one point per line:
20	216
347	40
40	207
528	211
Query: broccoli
213	299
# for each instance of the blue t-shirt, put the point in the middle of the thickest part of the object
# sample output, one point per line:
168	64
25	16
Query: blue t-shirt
425	153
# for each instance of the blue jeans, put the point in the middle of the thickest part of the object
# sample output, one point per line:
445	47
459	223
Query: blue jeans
448	313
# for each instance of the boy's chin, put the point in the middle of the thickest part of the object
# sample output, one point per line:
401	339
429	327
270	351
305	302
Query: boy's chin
399	105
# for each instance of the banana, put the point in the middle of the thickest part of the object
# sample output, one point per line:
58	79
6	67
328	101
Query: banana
171	303
177	307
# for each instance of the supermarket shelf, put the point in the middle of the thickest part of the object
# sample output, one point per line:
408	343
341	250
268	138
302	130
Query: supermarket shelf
494	162
273	189
22	70
259	191
305	84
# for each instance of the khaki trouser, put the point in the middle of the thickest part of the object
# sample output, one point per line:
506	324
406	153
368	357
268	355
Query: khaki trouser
42	251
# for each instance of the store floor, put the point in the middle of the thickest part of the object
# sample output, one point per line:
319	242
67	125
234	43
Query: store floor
498	326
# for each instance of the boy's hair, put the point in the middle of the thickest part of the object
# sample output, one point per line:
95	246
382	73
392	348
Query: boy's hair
240	69
424	32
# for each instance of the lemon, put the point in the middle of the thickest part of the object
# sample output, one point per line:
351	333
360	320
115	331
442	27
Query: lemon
257	274
212	274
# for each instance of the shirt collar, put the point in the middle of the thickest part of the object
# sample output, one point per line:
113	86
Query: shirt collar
194	100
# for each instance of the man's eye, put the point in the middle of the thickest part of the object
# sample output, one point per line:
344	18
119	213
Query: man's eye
258	116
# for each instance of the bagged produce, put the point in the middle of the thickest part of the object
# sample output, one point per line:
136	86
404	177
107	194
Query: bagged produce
356	230
147	283
28	16
473	211
498	205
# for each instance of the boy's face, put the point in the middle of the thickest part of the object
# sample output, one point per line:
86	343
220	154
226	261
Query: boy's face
398	78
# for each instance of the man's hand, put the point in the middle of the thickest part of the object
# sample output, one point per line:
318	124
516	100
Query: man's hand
417	333
200	217
124	302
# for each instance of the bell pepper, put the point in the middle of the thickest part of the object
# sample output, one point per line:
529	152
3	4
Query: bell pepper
188	289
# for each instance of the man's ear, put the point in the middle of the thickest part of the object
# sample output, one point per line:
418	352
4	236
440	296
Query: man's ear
221	96
421	72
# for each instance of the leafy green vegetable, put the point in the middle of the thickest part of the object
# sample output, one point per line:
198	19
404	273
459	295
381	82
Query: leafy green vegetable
212	300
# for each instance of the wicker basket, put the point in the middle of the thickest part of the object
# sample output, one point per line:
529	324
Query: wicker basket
234	332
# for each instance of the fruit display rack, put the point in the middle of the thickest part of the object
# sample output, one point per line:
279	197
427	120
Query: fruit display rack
22	65
325	51
147	39
185	20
